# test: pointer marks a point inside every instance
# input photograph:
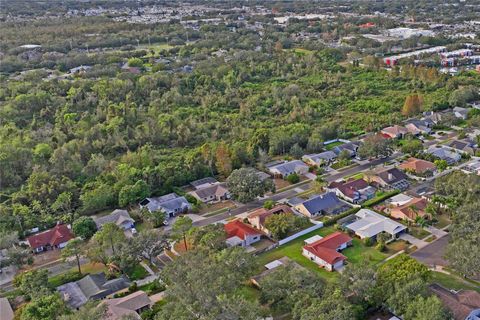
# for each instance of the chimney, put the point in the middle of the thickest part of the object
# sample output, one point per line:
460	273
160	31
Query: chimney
390	176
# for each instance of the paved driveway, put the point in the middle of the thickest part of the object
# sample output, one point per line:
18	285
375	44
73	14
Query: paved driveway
432	254
416	242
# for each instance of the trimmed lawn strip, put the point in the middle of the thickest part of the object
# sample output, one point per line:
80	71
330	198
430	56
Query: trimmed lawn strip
452	282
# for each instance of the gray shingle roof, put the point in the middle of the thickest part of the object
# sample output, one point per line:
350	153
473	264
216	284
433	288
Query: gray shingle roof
167	203
318	157
117	216
203	181
322	202
289	166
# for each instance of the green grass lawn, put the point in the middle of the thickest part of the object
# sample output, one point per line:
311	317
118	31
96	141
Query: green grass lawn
453	282
443	221
396	246
418	232
249	292
356	254
137	273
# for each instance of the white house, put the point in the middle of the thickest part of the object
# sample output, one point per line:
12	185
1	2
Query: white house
325	251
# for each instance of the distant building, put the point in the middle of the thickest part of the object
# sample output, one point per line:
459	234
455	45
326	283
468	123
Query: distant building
417	166
171	204
285	169
120	217
390	179
91	287
212	193
451	156
410	210
55	238
353	190
395	132
319	159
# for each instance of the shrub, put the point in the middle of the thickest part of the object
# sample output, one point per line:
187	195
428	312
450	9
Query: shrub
368	241
293	178
133	287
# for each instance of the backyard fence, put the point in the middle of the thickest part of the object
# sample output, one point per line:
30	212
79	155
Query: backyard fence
335	140
318	225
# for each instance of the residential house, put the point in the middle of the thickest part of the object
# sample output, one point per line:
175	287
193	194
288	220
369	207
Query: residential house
129	306
463	304
241	234
320	159
55	238
369	224
350	147
432	116
325	251
395	132
461	113
91	287
171	204
324	204
213	193
462	146
417	127
410	210
352	190
398	200
120	217
418	166
389	179
6	311
204	182
473	167
258	217
285	169
444	153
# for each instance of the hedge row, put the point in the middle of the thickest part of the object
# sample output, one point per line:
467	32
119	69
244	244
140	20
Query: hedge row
333	220
379	199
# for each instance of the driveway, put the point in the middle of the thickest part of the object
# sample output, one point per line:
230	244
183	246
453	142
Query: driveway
437	232
416	242
432	254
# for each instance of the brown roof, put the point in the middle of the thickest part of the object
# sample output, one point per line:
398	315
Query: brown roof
411	209
120	307
263	213
417	165
349	187
59	234
461	303
326	248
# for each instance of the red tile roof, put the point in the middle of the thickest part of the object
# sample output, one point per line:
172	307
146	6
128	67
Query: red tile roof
240	229
53	237
417	165
326	248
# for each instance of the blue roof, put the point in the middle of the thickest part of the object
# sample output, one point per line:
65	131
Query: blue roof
322	202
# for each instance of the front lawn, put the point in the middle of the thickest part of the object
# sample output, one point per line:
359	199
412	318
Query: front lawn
357	254
442	221
418	232
136	273
396	246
